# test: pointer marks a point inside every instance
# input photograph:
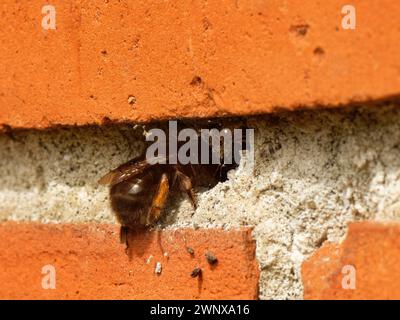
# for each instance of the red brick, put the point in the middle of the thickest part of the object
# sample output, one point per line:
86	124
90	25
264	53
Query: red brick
91	264
251	56
374	251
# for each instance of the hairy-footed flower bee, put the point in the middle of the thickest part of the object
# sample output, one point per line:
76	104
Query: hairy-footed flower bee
139	188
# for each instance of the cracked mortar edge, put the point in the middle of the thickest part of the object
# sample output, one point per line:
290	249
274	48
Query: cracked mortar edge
315	172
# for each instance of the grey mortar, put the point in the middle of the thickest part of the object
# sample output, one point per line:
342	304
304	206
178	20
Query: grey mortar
315	171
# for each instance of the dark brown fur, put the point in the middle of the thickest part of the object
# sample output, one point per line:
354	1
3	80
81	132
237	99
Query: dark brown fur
139	190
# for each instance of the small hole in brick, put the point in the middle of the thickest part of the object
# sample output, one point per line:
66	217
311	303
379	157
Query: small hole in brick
196	81
206	24
299	30
319	51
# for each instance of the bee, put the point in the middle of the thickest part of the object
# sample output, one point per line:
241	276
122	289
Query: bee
139	188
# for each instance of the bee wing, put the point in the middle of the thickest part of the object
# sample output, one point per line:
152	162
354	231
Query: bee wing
128	170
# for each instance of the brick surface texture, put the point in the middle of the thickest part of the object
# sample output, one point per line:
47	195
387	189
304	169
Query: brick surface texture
146	60
372	249
91	264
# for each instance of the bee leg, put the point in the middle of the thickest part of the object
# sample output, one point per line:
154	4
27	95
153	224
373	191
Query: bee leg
159	200
123	236
174	179
185	184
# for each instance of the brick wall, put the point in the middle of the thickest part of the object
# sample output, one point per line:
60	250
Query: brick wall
135	62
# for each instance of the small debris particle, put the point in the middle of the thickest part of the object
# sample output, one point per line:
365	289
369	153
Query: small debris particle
149	259
196	272
190	250
131	99
211	258
166	255
311	205
158	268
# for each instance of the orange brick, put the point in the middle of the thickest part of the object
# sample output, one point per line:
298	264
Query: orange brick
91	264
146	60
372	249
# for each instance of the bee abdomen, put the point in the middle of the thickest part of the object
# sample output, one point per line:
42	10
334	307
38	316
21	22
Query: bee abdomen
131	199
